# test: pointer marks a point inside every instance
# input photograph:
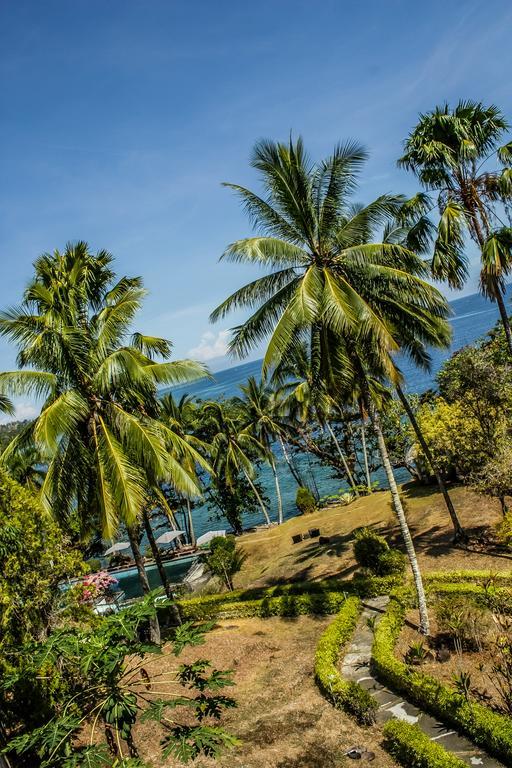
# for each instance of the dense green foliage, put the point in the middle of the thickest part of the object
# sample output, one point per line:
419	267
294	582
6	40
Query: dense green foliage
98	430
305	501
411	747
225	559
103	676
35	556
373	553
349	696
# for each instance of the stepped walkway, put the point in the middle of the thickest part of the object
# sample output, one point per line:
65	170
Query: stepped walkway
356	666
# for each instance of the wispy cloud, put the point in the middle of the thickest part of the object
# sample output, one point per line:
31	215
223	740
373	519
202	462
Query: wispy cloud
22	411
212	345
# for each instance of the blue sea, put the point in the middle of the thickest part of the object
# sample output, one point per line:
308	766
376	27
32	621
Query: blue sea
472	317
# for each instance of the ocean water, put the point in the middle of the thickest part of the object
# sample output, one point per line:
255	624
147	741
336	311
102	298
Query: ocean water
472	317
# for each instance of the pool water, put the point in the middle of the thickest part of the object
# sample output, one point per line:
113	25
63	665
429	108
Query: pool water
175	569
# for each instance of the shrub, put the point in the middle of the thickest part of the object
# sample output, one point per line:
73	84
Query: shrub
485	727
372	552
224	559
411	747
305	500
369	548
93	565
343	694
390	563
320	603
467	624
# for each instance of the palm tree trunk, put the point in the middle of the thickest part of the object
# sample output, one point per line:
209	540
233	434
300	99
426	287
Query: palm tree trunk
365	456
260	500
192	533
402	521
289	462
278	492
457	526
159	564
504	318
342	457
154	626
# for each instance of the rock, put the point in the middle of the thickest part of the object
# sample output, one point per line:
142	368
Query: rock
443	654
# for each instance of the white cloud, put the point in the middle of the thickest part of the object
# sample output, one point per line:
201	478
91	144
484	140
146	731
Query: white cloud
22	411
211	346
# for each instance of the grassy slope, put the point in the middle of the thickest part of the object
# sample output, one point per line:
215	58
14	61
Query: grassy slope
273	557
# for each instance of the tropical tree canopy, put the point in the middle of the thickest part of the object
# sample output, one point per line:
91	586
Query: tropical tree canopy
326	267
98	431
451	151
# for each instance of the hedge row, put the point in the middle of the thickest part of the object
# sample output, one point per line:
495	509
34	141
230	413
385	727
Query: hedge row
481	577
411	747
362	586
488	729
284	605
343	694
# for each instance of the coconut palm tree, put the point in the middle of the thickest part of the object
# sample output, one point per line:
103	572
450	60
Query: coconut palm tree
458	155
412	228
260	417
326	272
234	450
98	430
307	399
181	416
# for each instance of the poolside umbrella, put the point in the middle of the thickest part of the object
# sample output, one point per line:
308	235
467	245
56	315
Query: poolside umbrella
166	538
207	537
117	547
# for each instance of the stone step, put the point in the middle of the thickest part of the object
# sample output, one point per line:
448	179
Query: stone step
356	666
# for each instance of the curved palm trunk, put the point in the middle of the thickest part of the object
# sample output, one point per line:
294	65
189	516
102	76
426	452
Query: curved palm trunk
457	526
159	564
260	500
191	531
504	318
365	457
154	625
343	459
402	521
278	493
289	462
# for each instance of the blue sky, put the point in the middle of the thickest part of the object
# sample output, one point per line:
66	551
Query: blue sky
120	119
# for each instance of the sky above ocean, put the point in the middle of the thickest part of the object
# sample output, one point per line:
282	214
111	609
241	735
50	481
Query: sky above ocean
120	120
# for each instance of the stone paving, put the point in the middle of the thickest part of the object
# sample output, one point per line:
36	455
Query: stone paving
356	666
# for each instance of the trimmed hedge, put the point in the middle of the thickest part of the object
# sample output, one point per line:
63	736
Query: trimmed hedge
343	694
411	747
488	729
284	605
453	577
211	605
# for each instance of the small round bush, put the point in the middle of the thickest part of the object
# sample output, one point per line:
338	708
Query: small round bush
391	563
305	500
369	548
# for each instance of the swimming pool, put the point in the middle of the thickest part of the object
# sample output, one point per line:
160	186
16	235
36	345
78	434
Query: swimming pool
175	569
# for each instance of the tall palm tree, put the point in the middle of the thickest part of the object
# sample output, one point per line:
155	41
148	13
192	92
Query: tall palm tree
329	281
234	450
307	398
180	416
458	154
260	417
98	430
412	228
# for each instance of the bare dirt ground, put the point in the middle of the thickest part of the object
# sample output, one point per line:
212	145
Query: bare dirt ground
272	557
281	718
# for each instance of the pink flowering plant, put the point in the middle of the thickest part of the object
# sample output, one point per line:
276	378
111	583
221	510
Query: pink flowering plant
96	585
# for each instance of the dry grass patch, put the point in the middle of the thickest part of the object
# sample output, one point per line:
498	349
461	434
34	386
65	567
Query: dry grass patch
281	718
273	558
